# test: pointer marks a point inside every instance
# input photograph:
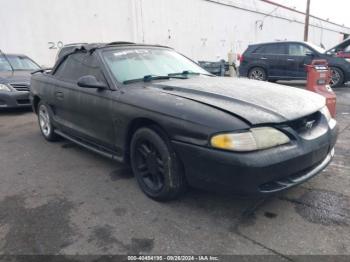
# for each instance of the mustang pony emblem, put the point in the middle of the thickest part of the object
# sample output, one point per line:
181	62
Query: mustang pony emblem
309	124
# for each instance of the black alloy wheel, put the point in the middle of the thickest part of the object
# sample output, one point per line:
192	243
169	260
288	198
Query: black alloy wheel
156	166
149	165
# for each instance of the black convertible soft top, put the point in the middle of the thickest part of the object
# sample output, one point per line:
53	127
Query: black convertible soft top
91	47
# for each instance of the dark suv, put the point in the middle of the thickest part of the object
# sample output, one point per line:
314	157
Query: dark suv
286	61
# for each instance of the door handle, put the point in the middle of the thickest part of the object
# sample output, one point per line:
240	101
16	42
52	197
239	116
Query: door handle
59	95
263	58
290	59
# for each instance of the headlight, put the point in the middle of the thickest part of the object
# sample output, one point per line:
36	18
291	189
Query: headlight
326	113
331	121
4	88
251	140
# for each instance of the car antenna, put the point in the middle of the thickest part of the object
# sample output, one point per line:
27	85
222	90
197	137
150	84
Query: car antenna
8	61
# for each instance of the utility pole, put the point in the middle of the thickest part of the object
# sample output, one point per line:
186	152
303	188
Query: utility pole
307	21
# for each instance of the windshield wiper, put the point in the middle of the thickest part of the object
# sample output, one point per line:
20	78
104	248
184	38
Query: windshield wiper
187	73
41	70
148	78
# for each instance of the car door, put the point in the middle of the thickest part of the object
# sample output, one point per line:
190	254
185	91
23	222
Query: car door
58	93
84	112
96	106
299	55
273	55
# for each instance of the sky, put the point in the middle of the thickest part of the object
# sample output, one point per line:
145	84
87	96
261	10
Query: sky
337	11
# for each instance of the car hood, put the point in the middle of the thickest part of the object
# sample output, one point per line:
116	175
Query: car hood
256	101
341	45
15	77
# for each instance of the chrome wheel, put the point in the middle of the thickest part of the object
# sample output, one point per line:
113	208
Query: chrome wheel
335	77
257	74
44	120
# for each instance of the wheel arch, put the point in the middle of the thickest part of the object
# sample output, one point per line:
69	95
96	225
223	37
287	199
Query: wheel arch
36	101
136	124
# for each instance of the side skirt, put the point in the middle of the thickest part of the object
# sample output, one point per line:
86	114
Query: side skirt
91	146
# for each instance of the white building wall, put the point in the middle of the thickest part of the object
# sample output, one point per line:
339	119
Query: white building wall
201	29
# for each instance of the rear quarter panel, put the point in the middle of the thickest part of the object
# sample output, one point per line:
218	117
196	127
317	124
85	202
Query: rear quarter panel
252	60
40	87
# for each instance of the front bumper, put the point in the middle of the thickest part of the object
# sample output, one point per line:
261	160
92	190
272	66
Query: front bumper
261	172
242	71
14	99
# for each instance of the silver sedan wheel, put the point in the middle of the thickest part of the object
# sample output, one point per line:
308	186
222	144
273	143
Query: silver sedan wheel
44	120
335	78
257	75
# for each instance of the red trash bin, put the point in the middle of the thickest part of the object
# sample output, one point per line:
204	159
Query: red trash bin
318	79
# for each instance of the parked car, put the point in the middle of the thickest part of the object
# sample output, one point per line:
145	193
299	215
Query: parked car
178	125
15	73
286	61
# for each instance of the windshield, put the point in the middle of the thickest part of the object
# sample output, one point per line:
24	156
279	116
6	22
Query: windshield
17	63
133	64
317	48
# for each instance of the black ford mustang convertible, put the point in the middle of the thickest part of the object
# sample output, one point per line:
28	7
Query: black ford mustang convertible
177	125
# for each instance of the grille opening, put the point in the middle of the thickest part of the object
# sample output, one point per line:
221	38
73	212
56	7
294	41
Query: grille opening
20	86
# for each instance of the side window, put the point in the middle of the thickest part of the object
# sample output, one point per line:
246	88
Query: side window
78	65
259	50
271	49
298	50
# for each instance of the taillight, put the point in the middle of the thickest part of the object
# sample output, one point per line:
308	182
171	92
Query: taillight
241	58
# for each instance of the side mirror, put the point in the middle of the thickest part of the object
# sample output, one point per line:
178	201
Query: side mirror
312	54
91	82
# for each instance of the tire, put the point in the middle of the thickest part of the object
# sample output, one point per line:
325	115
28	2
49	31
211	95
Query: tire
45	122
337	79
156	166
257	73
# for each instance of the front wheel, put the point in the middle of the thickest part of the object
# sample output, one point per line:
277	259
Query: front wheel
45	123
337	77
156	166
257	73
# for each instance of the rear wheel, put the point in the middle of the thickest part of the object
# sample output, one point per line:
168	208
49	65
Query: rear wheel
257	73
45	124
156	166
337	77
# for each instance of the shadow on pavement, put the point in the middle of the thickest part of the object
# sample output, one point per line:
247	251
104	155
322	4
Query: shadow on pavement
15	111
